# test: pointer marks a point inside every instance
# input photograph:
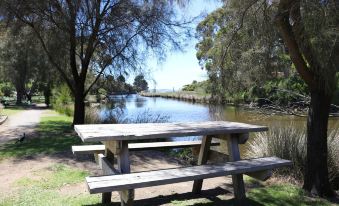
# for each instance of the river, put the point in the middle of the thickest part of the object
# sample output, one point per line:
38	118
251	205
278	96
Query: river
131	106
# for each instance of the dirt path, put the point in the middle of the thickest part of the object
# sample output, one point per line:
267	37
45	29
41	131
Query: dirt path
22	122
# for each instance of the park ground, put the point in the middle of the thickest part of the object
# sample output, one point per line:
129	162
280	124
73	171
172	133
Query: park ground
41	170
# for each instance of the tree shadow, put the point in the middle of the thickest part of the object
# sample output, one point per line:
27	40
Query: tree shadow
211	196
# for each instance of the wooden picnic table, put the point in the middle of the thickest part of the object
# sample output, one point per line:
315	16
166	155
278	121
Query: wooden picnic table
115	137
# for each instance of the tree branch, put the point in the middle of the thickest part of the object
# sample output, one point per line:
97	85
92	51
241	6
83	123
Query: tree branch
282	22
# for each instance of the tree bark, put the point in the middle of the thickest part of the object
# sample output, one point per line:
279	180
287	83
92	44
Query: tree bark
316	172
79	109
19	94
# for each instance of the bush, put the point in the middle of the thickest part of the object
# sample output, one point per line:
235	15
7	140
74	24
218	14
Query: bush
62	100
6	89
283	91
290	143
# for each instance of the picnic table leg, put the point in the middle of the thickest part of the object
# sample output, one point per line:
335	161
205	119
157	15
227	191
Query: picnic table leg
203	155
107	196
126	196
237	180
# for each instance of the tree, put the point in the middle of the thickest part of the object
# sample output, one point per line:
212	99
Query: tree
140	84
22	61
310	32
97	35
235	53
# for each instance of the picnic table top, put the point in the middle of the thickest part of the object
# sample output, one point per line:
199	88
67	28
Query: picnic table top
110	132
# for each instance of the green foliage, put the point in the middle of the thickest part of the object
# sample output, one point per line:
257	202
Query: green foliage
202	87
62	100
190	87
239	57
282	91
107	85
6	89
140	84
335	99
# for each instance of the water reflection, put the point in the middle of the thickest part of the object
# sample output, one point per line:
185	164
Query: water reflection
130	106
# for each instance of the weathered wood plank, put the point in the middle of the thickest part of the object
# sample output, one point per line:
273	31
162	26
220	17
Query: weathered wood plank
237	179
126	196
104	132
90	149
202	159
106	163
176	144
160	177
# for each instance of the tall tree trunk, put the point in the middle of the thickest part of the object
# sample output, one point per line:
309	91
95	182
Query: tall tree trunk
19	94
47	93
316	172
79	105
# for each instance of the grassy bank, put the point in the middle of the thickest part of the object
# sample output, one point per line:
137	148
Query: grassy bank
190	96
8	111
54	134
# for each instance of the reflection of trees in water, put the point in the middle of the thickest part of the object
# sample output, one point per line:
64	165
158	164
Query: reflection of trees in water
115	111
216	112
140	102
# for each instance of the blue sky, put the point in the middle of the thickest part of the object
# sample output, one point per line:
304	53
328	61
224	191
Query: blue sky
181	68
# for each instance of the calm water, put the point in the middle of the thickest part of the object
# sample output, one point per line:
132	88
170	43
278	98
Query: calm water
179	111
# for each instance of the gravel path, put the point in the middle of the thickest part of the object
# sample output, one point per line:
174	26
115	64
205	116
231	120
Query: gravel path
22	122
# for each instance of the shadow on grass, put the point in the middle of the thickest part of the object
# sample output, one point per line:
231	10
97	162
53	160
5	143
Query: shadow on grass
284	194
52	136
206	198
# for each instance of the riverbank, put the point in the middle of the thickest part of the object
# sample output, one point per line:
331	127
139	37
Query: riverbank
189	96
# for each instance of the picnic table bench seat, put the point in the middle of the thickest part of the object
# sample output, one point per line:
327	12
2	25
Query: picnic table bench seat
90	149
119	182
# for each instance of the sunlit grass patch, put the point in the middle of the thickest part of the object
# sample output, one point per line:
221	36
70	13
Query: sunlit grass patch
283	194
44	189
54	134
9	111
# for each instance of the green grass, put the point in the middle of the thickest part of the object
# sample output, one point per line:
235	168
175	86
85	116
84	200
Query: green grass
275	195
54	134
11	110
45	188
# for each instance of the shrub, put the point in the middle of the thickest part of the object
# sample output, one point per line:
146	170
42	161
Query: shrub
7	89
62	100
290	143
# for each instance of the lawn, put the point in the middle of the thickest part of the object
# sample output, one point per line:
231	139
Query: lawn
8	111
54	134
274	195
